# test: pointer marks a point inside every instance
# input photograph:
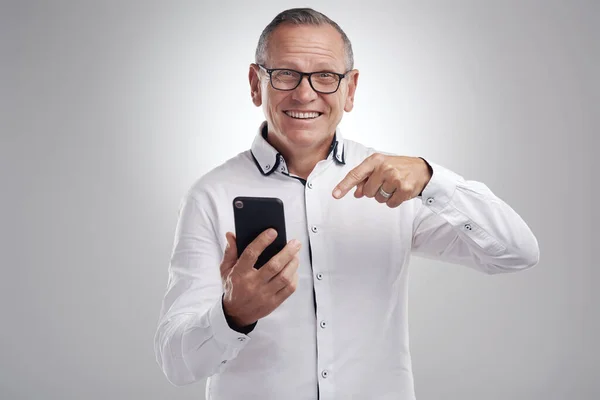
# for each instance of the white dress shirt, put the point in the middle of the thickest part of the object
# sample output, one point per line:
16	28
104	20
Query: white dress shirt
343	334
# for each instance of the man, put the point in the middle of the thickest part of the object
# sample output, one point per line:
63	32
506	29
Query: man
327	316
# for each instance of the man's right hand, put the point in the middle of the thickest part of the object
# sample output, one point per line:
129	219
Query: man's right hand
251	294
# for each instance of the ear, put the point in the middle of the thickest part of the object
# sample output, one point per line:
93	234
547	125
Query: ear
255	89
352	83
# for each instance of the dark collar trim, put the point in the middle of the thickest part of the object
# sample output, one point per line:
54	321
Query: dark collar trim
340	159
269	171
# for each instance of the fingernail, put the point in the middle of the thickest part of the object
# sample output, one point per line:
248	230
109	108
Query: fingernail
336	193
271	233
296	243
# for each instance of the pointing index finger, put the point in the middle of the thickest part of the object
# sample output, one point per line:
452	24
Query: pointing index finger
354	177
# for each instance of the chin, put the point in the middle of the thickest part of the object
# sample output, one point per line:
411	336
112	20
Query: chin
303	136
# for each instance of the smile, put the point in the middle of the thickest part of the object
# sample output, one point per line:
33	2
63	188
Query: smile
303	115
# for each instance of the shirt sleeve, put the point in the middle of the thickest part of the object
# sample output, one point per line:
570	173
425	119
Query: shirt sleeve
462	222
193	339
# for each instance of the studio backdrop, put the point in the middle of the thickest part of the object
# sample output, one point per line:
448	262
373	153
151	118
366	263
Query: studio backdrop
110	110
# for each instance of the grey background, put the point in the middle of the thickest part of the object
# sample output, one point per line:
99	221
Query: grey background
110	110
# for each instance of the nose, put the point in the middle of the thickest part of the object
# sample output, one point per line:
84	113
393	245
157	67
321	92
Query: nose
304	93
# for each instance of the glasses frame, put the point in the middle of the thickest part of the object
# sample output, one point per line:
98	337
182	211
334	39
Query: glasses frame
302	75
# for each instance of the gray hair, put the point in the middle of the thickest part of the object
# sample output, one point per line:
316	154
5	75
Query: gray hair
301	16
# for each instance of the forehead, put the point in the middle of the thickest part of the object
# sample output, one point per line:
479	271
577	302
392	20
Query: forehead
306	47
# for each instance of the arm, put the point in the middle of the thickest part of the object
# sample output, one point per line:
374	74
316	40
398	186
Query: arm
193	339
463	222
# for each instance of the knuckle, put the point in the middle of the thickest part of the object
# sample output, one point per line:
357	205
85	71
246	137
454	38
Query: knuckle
288	290
293	285
251	253
354	174
272	267
378	157
285	280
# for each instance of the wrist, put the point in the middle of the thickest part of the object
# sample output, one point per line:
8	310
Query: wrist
427	174
235	323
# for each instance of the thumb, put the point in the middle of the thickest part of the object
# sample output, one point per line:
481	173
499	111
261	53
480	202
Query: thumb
359	190
230	255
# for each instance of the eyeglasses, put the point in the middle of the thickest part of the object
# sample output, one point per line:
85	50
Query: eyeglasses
325	82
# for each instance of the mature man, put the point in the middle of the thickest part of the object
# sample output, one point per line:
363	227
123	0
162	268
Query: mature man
327	316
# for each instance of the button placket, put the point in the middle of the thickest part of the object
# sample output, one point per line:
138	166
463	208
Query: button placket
315	220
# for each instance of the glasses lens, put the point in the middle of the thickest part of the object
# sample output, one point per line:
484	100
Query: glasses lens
325	82
285	79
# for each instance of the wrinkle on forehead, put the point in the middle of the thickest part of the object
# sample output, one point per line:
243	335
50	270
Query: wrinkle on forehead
307	46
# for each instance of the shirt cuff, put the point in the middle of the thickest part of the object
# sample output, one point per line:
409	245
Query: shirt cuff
221	330
441	187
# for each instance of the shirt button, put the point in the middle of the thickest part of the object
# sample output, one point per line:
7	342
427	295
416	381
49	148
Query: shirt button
267	166
319	276
314	229
325	373
323	324
241	339
310	185
468	227
430	200
223	362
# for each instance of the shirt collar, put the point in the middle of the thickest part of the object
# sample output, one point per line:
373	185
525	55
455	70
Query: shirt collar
268	159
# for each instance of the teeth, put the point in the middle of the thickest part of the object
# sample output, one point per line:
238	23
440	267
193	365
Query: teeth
302	115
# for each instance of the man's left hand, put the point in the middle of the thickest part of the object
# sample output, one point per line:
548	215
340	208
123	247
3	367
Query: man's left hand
400	176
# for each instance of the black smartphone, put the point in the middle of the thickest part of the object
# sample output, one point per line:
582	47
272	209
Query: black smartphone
254	215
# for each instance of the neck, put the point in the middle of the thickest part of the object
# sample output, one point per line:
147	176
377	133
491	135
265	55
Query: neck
301	162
